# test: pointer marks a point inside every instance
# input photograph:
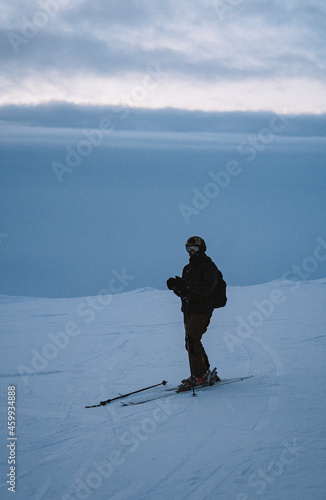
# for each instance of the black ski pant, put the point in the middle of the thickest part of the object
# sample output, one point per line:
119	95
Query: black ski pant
195	327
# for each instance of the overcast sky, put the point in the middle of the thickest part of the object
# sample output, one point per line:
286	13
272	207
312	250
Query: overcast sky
208	55
128	126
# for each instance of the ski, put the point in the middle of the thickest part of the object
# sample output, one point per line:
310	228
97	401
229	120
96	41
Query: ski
176	390
168	392
121	396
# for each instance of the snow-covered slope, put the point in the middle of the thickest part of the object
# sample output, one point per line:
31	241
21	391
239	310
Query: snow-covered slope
260	438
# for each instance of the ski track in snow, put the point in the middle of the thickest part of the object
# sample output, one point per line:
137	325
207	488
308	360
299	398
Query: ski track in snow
263	437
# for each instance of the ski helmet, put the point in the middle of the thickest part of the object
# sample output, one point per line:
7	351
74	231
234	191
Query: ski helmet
197	241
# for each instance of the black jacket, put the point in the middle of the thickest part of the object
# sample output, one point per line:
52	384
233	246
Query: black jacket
200	278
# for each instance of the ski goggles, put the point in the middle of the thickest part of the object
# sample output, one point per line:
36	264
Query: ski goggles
195	248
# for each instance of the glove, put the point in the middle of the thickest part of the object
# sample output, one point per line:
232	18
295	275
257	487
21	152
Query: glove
171	283
176	284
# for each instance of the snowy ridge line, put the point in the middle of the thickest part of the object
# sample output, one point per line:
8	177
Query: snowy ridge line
12	299
173	391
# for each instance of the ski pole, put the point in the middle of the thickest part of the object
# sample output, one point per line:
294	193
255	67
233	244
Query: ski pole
102	403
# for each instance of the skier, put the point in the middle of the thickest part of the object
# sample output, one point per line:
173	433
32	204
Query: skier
196	290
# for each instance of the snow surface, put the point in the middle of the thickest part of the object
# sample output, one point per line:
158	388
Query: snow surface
260	438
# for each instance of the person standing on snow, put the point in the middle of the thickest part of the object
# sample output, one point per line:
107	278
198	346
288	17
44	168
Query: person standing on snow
196	289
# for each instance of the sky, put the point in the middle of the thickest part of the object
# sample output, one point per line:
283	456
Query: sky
128	126
213	55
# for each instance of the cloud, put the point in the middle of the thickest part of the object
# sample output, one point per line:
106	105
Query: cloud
71	116
211	47
113	208
110	38
122	193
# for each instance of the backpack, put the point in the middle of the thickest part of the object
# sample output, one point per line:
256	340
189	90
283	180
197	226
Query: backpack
220	292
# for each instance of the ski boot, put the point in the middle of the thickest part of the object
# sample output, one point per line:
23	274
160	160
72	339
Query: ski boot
193	381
